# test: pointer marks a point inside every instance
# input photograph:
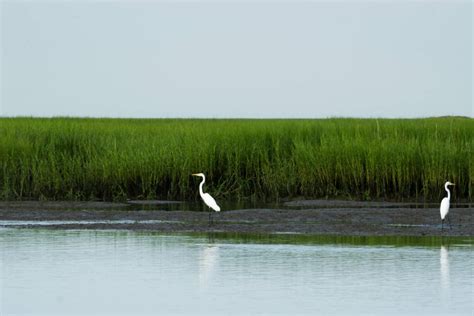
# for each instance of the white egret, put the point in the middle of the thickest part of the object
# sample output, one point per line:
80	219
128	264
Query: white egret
444	207
206	197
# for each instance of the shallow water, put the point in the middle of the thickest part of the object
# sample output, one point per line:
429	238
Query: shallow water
296	204
7	223
120	272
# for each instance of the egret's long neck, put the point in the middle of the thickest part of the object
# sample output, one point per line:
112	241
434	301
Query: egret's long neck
201	184
447	190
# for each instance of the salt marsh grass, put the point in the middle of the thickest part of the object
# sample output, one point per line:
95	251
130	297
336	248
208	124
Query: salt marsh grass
114	159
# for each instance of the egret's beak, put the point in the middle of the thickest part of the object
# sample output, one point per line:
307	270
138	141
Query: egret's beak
194	174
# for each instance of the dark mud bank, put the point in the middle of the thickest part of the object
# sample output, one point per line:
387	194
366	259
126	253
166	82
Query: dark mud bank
318	218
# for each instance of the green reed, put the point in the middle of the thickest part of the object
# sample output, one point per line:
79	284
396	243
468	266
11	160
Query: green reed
115	159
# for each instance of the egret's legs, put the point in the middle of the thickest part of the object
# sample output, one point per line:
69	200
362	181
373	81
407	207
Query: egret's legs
442	222
210	213
449	221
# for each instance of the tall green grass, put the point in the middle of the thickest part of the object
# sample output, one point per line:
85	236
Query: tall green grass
113	159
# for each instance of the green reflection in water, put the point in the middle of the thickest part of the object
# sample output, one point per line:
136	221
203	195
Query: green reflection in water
352	240
328	239
296	239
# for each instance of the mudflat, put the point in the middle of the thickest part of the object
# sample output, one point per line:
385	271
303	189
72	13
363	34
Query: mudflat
317	217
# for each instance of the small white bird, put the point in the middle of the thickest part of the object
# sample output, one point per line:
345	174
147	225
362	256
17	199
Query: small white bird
444	207
206	197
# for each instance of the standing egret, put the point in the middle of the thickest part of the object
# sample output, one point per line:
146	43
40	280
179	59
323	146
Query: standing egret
206	197
444	207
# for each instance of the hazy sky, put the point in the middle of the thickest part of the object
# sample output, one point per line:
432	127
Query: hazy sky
236	58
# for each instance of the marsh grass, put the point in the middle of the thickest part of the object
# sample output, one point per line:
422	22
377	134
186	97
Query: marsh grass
115	159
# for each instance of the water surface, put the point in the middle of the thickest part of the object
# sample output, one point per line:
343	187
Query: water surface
58	272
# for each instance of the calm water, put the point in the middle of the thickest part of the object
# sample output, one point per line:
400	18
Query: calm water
116	272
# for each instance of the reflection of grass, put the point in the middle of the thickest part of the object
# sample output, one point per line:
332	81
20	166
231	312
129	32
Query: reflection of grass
328	239
123	158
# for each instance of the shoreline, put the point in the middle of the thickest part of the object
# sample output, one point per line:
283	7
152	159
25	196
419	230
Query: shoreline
343	219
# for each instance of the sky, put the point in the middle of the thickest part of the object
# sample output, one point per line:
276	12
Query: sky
238	59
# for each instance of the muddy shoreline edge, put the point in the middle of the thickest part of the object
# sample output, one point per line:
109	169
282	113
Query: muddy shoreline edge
341	219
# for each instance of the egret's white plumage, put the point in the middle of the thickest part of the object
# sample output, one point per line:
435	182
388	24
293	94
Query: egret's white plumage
444	207
209	200
206	197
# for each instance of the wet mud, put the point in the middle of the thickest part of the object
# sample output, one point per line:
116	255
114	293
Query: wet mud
318	217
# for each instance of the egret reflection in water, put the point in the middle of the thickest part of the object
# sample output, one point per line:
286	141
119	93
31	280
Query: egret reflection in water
208	260
444	272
